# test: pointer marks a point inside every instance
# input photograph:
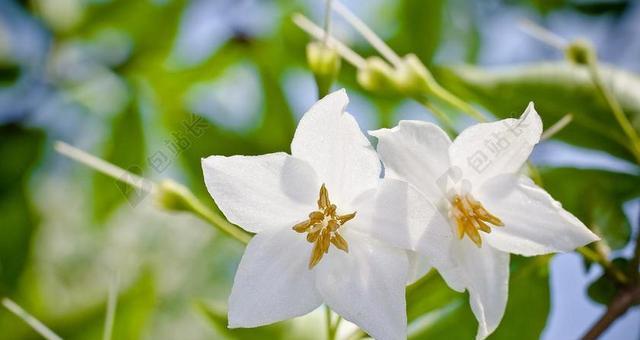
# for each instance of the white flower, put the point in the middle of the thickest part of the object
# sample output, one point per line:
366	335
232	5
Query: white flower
487	210
320	216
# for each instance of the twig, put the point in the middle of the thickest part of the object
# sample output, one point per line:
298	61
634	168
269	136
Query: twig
620	304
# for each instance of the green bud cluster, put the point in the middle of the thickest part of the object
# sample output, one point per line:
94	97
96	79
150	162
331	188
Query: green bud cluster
411	78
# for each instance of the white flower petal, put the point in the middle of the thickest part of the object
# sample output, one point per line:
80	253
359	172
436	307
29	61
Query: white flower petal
262	192
330	140
366	286
489	149
396	214
486	272
535	223
419	266
273	282
417	152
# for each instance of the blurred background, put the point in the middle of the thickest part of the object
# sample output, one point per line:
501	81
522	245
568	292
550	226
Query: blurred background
155	85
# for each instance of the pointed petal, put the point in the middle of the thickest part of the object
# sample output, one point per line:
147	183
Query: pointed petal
486	276
396	214
489	149
366	286
272	282
262	192
330	140
534	223
417	152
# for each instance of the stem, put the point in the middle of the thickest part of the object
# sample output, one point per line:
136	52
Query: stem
368	34
557	127
193	205
37	326
329	325
609	268
327	22
456	102
615	107
313	30
544	35
620	304
112	302
202	211
105	167
440	115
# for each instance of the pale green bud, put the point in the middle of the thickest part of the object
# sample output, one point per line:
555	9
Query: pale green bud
377	76
580	52
324	62
413	78
173	196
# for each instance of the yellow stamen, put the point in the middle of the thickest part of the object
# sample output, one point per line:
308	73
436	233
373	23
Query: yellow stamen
470	217
322	228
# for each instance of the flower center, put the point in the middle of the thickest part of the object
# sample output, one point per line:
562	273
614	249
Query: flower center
470	216
322	228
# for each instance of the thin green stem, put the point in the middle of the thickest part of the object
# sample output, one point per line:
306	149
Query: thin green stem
615	107
442	117
328	323
202	211
327	22
451	99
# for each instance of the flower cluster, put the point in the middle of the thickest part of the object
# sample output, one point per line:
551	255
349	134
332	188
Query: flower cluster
331	230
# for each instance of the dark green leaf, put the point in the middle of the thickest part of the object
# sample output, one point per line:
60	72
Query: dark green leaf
596	198
436	312
556	89
19	150
218	319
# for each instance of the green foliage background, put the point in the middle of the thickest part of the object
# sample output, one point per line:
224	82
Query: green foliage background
66	231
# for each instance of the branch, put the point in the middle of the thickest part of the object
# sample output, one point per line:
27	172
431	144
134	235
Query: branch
620	304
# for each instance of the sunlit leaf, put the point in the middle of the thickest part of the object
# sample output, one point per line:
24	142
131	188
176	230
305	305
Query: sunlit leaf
556	89
437	312
596	198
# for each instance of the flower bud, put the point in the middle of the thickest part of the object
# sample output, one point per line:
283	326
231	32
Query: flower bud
324	62
413	78
580	52
377	76
173	196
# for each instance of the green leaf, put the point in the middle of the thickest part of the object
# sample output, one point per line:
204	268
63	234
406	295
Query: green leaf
125	147
556	89
596	197
604	289
437	312
19	150
420	27
218	319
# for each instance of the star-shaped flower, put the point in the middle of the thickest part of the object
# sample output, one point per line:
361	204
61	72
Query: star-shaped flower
320	216
487	209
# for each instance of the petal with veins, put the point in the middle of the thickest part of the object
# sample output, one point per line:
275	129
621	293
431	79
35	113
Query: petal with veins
272	282
535	223
417	152
367	286
330	140
262	192
489	149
